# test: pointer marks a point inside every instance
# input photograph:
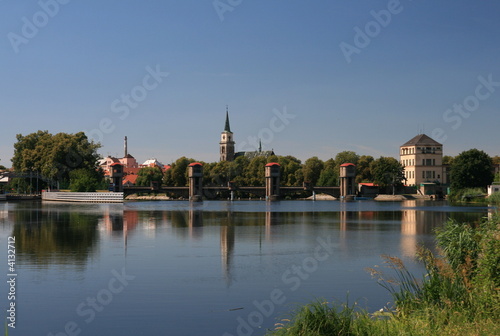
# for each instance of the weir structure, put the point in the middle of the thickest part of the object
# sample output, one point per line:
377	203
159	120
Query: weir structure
273	172
195	174
347	180
272	191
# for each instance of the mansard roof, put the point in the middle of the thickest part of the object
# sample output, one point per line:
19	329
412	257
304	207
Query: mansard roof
422	140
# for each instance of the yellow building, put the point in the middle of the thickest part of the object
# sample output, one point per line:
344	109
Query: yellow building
422	158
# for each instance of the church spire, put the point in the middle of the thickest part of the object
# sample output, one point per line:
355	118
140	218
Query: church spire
227	128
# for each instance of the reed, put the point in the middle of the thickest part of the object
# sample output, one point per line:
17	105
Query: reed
459	295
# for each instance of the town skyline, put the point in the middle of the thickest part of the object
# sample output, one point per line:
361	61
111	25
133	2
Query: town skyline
362	77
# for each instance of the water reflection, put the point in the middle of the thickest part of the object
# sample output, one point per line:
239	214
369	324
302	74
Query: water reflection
49	233
45	235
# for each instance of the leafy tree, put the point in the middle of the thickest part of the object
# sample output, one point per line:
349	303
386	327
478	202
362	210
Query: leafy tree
496	160
387	171
471	169
289	167
177	175
254	172
148	175
329	175
84	180
364	173
54	156
448	160
312	169
346	157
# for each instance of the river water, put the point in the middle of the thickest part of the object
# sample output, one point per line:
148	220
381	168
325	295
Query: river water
211	268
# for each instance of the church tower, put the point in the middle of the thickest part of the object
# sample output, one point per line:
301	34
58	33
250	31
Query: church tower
226	142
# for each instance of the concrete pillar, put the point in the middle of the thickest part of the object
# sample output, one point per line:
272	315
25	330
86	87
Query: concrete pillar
273	172
117	177
195	174
347	180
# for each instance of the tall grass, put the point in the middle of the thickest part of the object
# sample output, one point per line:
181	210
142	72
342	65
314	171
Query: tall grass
467	195
494	198
460	294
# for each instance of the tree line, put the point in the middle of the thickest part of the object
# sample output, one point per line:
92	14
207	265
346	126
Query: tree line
243	171
71	161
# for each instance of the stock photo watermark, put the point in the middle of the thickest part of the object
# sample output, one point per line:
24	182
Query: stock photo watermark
12	282
223	6
31	26
292	279
455	115
277	124
364	36
129	101
89	308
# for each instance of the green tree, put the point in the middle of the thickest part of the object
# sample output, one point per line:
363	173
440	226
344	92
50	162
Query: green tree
471	169
346	157
85	180
387	171
448	160
254	172
54	156
312	169
329	175
289	167
148	175
364	173
177	175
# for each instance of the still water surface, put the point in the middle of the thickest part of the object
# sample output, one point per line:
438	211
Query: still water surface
214	268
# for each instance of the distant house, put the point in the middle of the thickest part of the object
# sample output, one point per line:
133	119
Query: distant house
152	163
494	188
422	158
130	180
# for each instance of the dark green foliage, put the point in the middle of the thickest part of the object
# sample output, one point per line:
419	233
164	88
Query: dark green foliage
471	169
148	175
312	170
329	175
387	171
177	176
84	180
54	156
364	173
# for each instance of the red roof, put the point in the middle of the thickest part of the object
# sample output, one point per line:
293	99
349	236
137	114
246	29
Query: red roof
130	178
195	164
347	164
117	164
369	184
272	164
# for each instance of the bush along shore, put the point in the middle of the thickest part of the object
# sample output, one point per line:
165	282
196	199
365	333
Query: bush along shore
459	295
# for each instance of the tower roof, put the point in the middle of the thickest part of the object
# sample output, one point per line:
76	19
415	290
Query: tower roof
227	128
422	139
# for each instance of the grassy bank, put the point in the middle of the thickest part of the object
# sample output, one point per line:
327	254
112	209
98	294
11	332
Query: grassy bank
460	295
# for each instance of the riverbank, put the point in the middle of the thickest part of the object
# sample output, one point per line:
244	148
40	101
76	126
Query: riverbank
460	294
135	197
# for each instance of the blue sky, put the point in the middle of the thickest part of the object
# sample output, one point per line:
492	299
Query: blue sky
67	66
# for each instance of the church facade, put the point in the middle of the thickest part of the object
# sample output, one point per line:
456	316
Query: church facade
227	146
